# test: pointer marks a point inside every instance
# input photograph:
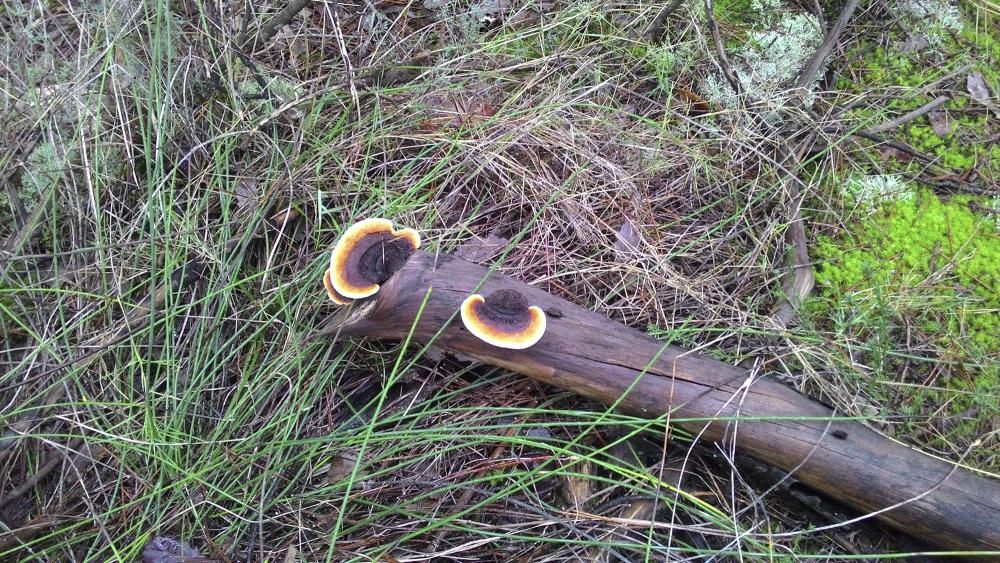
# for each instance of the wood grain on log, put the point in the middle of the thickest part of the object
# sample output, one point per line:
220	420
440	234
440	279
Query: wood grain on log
591	355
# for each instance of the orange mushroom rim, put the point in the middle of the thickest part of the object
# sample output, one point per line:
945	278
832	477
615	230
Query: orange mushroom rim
332	292
368	254
503	319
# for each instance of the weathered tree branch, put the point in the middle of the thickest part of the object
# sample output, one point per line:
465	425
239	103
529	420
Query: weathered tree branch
798	282
251	42
589	354
818	59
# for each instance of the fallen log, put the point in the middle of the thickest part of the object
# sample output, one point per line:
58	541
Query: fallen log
591	355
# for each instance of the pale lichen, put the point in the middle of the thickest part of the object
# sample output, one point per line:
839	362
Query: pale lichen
770	59
868	192
932	15
996	210
43	168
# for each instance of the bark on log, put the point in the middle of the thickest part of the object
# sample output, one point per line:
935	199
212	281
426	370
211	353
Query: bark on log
589	354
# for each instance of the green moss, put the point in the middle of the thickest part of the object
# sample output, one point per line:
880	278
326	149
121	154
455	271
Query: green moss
881	66
733	11
925	272
903	240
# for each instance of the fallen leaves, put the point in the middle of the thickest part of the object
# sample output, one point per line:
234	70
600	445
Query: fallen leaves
481	250
246	196
888	152
163	549
455	111
341	467
940	123
577	486
697	104
626	239
976	85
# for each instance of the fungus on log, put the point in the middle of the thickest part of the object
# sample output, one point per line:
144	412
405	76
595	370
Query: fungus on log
367	254
332	292
503	319
591	355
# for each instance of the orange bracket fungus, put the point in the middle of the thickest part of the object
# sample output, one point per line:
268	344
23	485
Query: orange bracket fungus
503	319
367	255
332	293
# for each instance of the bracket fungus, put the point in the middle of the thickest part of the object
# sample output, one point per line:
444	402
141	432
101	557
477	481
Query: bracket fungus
332	293
368	254
503	319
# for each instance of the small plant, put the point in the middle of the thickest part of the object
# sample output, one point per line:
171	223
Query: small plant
44	167
663	61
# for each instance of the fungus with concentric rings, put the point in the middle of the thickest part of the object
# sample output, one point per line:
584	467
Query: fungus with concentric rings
368	254
503	319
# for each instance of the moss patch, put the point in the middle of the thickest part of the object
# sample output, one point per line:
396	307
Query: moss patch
909	294
884	68
918	278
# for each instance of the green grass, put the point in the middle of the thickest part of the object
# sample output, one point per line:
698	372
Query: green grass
159	326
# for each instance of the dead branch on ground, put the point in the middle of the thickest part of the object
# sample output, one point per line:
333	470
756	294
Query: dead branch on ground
591	355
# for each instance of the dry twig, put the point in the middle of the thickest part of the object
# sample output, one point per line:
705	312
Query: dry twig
657	29
911	115
829	42
798	282
250	43
720	49
54	460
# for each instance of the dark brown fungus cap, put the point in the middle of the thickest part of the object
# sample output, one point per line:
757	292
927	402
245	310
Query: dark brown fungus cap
368	254
503	319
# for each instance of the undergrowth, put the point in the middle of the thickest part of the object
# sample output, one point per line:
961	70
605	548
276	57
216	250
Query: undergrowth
907	279
918	278
171	201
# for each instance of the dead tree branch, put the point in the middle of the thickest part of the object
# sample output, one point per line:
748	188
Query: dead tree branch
589	354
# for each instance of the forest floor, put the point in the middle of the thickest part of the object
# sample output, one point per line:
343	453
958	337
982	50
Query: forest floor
175	174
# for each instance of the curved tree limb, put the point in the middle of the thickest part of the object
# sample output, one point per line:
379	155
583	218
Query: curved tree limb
589	354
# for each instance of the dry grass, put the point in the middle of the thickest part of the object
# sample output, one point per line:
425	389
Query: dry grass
157	313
